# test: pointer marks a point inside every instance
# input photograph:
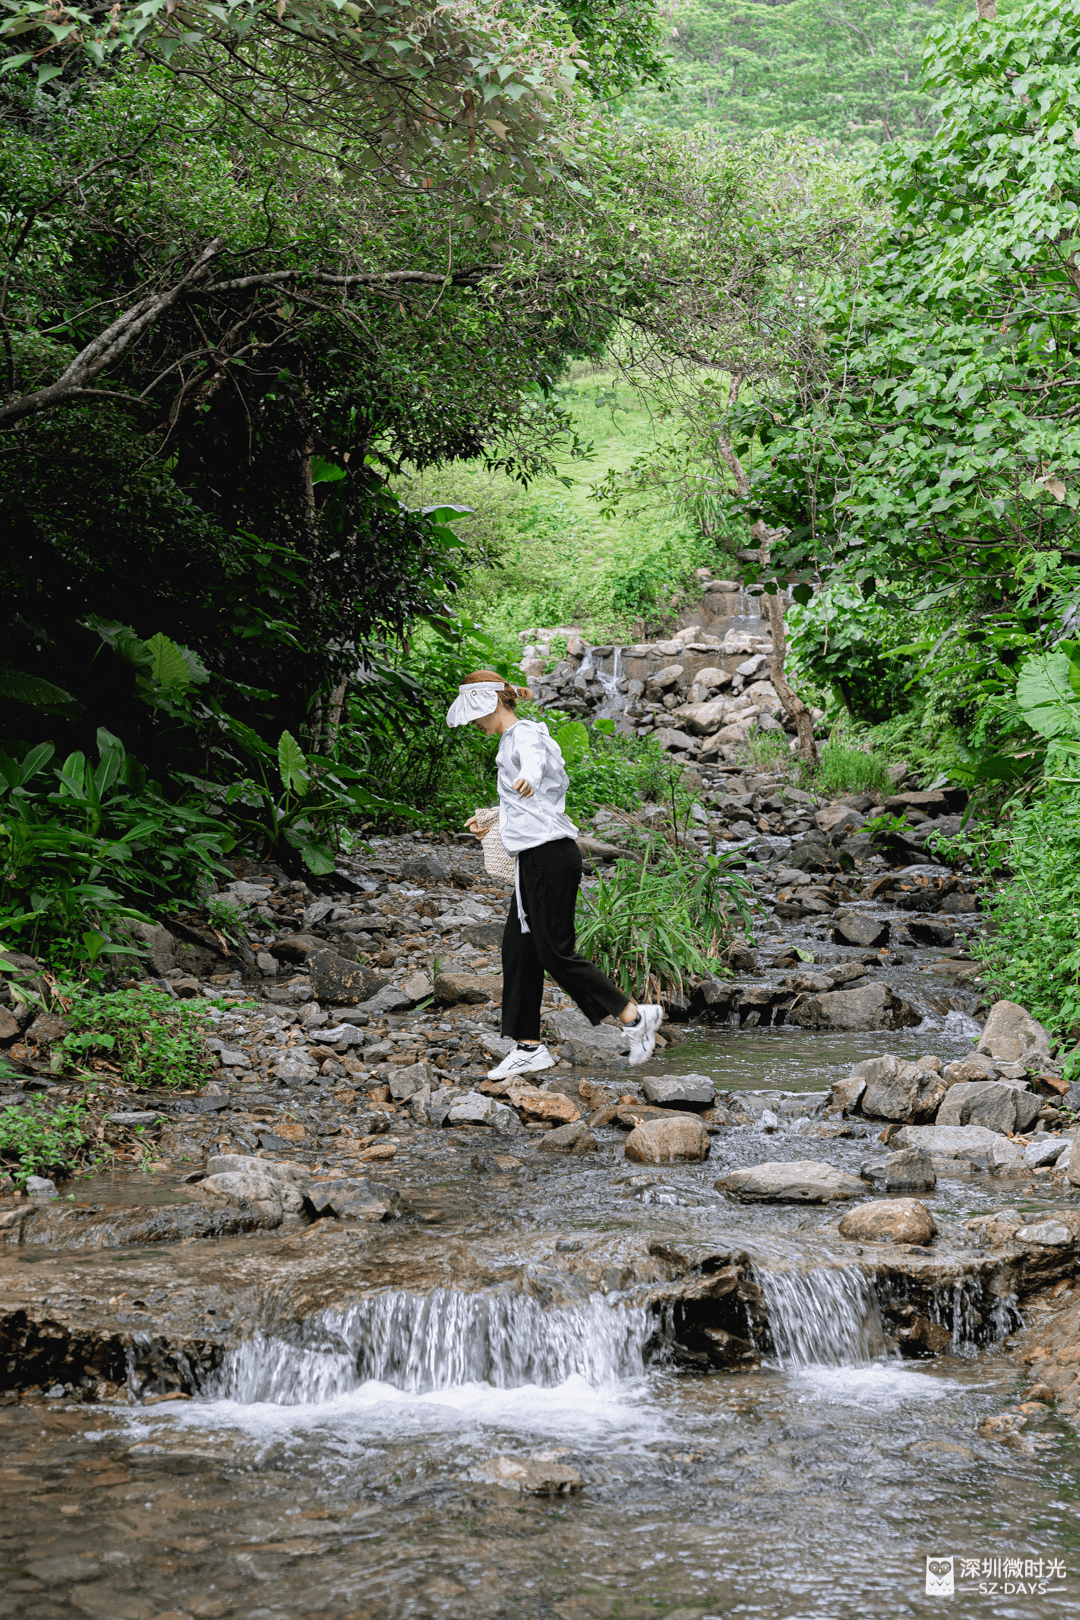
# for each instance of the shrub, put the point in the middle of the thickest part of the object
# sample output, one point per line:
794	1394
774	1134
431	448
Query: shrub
140	1037
1035	959
39	1139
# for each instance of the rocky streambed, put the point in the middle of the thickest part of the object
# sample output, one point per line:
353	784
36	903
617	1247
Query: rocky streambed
356	1333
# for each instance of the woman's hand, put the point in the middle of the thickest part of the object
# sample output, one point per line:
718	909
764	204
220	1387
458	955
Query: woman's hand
474	827
523	788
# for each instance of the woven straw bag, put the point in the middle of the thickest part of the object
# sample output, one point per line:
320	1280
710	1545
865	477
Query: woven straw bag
497	863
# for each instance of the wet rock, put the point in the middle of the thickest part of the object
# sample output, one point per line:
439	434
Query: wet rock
856	928
1010	1033
972	1142
1048	1234
803	1181
159	943
408	1080
352	1199
873	1006
40	1187
690	1091
587	1043
537	1104
296	947
475	1109
576	1139
533	1476
838	818
980	1102
928	931
899	1091
677	1138
909	1170
454	988
337	981
1006	1158
889	1220
69	1226
426	871
740	958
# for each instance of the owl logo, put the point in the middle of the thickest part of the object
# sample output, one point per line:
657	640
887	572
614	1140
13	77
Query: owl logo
939	1577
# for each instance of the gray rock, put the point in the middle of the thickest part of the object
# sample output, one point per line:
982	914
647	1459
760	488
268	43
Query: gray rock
476	1109
279	1170
337	980
418	987
1006	1158
353	1199
680	1091
386	1000
802	1181
341	1036
928	931
1011	1033
1028	1106
40	1187
587	1043
272	1197
1045	1150
973	1142
575	1138
856	928
680	1137
972	1067
980	1102
159	943
420	1106
897	1090
134	1117
406	1082
232	1057
1049	1234
296	947
486	936
873	1006
844	1095
909	1170
426	871
295	1071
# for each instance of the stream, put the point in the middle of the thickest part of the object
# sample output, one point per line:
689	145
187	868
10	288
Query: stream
364	1458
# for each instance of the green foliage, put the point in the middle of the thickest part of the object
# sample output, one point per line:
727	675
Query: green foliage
837	640
656	924
1035	958
1048	697
145	1037
82	846
846	69
847	767
39	1138
615	772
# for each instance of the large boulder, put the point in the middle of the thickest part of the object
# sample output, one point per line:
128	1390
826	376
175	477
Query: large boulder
338	982
980	1102
1010	1033
971	1142
857	928
889	1220
872	1006
296	947
838	818
666	1141
898	1090
909	1170
845	1095
803	1181
702	719
686	1091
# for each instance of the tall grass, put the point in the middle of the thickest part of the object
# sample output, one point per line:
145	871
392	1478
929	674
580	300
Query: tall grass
845	767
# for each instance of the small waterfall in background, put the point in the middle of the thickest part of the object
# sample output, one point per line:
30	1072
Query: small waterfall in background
825	1318
436	1341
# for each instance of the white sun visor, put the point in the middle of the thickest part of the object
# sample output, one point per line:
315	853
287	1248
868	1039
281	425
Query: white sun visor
473	701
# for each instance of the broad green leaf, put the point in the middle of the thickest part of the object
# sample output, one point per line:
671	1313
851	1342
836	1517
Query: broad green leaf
573	740
1045	694
167	663
18	687
291	764
605	727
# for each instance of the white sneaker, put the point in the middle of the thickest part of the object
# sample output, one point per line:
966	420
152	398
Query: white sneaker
523	1060
643	1033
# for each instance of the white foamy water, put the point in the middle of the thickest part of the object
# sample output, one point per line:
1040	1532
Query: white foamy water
881	1386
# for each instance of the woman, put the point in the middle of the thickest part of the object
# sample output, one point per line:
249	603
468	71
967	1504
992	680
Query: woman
539	933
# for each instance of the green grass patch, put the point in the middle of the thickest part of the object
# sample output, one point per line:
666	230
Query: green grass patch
847	767
139	1037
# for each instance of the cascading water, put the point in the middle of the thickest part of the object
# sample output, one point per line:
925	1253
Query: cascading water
828	1317
437	1341
613	701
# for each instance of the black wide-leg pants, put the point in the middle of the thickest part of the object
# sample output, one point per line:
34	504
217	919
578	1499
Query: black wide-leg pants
548	877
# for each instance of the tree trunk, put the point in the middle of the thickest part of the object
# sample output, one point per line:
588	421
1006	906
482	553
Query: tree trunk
986	9
793	703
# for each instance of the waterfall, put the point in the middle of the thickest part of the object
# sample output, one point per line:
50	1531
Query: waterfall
436	1341
828	1317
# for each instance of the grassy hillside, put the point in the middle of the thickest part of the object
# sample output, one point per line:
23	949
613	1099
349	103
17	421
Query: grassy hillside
546	555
